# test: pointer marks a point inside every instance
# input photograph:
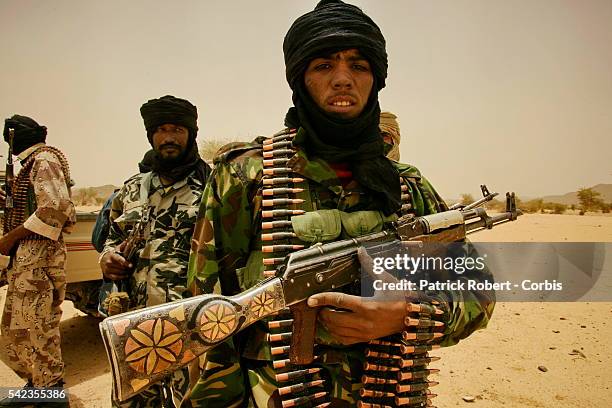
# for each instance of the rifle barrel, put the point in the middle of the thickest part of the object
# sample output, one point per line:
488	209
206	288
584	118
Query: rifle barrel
493	220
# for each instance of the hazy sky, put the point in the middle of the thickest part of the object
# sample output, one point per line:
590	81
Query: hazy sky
516	94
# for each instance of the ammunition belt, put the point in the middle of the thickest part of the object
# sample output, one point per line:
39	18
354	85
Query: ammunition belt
16	216
396	368
299	385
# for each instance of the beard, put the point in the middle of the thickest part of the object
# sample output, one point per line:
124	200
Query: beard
173	158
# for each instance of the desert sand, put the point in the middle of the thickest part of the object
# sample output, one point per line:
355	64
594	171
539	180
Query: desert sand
496	367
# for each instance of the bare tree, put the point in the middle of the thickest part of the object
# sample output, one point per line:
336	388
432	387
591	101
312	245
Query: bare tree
210	147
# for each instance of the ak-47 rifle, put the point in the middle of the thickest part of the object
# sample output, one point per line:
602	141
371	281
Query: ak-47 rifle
147	345
9	177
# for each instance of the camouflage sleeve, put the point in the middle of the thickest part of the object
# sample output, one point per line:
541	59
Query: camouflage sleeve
222	238
467	310
221	243
54	209
115	234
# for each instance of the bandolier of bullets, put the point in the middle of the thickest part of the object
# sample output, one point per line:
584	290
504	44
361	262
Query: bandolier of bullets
396	369
16	216
298	385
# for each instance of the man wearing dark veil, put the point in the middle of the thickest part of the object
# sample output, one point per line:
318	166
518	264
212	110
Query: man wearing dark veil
329	171
164	198
38	213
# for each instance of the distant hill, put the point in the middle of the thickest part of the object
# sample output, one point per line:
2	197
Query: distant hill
572	198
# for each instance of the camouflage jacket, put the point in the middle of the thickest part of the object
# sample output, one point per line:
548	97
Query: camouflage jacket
160	273
227	238
50	213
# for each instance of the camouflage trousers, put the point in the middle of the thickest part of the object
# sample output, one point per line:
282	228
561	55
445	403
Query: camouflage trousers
30	341
153	397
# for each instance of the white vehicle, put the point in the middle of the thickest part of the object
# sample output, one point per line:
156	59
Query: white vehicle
83	273
82	263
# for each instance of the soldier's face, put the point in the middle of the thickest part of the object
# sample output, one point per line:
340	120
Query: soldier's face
170	141
340	83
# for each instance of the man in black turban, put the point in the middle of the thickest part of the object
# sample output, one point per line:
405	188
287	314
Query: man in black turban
27	132
172	128
163	200
328	171
37	214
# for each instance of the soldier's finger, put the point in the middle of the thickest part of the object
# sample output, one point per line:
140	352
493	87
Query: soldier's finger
343	319
115	269
341	333
335	299
117	259
121	246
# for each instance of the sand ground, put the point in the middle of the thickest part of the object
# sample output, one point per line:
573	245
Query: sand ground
497	367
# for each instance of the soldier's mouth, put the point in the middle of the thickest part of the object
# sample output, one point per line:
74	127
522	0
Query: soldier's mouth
170	146
342	103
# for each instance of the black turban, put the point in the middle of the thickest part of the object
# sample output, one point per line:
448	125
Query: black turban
176	111
333	26
169	109
27	132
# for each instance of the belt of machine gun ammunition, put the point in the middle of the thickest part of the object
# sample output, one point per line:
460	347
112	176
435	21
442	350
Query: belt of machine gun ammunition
298	385
396	369
13	217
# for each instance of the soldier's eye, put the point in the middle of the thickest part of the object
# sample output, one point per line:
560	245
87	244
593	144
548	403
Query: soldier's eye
321	67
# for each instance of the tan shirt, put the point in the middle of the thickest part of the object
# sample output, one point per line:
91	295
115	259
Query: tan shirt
55	211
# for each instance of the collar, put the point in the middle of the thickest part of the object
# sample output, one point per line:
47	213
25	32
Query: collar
156	183
24	155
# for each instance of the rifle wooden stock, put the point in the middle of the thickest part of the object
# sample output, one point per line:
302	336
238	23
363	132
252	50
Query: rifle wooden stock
146	345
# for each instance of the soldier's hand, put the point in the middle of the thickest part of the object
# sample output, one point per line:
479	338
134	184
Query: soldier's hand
114	266
2	198
59	294
6	244
353	319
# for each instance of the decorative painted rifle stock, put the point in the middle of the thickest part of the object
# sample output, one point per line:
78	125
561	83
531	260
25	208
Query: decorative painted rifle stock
146	345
